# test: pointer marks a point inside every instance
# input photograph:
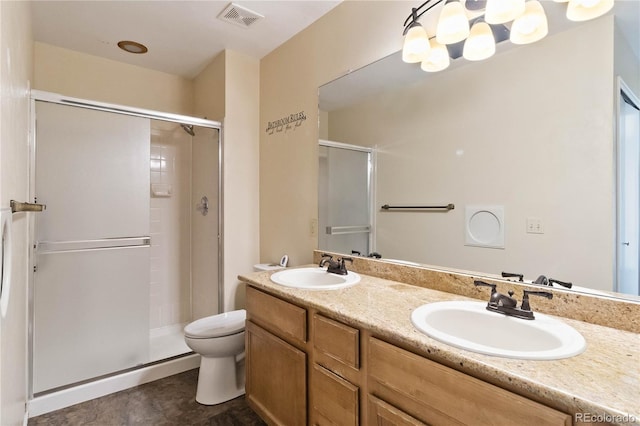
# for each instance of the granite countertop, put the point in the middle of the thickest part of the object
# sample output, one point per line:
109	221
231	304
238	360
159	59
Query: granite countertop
603	380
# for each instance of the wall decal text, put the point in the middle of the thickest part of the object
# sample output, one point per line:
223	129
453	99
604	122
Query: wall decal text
292	121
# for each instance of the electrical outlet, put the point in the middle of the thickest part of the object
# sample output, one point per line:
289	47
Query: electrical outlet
535	225
314	227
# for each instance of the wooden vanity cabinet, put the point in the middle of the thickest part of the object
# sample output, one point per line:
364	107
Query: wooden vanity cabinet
325	372
334	400
276	362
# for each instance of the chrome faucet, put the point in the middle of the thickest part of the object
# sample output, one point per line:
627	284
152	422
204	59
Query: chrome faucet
335	266
508	305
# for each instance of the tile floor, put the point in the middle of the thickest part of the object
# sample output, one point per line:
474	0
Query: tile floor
166	402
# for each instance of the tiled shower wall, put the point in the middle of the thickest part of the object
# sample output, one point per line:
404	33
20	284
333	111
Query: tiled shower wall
170	290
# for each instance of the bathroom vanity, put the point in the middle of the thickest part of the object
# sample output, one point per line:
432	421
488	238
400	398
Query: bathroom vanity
351	356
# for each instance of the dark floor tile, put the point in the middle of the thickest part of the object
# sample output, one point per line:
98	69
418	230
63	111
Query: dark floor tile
165	402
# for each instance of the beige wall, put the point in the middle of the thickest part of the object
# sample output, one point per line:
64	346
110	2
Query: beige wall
236	76
241	173
209	90
350	36
85	76
16	48
529	130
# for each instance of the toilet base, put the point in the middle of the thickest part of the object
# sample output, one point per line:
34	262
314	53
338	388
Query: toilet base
219	380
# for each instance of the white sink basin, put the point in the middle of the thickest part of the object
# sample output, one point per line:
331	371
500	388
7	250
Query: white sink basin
468	325
314	279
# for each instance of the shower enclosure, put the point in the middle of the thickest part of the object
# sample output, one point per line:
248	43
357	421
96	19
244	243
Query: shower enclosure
345	198
128	249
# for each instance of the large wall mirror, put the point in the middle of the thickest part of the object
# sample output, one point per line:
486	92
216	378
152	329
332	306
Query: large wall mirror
524	145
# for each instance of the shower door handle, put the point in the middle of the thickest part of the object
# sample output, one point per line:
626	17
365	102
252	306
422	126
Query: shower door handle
17	206
53	247
203	207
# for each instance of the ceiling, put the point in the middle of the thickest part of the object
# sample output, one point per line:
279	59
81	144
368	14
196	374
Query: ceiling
182	36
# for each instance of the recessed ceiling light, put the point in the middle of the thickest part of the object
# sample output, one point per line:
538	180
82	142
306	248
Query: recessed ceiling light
132	47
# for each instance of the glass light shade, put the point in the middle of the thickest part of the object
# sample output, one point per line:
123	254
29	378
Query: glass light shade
583	10
416	44
561	1
437	59
501	11
531	26
453	25
480	44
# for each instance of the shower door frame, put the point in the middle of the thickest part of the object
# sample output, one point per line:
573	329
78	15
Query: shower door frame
371	184
42	96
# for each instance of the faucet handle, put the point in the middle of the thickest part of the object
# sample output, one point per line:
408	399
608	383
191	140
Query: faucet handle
520	277
525	298
347	259
482	283
562	283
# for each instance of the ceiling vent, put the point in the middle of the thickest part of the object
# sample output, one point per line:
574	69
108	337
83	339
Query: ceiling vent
239	15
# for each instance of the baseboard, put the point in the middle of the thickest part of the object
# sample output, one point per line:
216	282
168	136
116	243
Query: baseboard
88	391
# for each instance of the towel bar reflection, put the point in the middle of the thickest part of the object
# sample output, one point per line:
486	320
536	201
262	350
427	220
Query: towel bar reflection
17	206
444	207
340	230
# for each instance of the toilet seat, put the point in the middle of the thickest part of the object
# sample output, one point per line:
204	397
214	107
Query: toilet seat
219	325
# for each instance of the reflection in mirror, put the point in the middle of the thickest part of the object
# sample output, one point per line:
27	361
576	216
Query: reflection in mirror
522	144
344	198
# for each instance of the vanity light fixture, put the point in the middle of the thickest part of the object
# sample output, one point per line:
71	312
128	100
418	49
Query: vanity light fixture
503	11
416	43
453	25
437	59
583	10
480	44
531	26
528	25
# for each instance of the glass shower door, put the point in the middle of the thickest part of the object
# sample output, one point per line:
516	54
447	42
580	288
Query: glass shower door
344	198
91	279
628	253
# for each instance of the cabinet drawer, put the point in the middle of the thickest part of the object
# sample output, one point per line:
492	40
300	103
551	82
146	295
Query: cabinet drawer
383	414
276	315
437	394
334	400
337	341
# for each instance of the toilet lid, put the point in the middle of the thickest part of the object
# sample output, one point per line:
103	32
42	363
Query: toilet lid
217	325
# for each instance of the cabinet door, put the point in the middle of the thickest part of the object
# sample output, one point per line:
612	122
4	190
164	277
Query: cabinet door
333	399
276	378
383	414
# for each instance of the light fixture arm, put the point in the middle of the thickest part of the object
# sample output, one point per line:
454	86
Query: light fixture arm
414	16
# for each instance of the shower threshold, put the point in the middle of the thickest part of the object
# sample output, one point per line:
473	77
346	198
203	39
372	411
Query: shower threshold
86	391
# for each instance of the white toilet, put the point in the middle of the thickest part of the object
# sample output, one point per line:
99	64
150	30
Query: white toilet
219	339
